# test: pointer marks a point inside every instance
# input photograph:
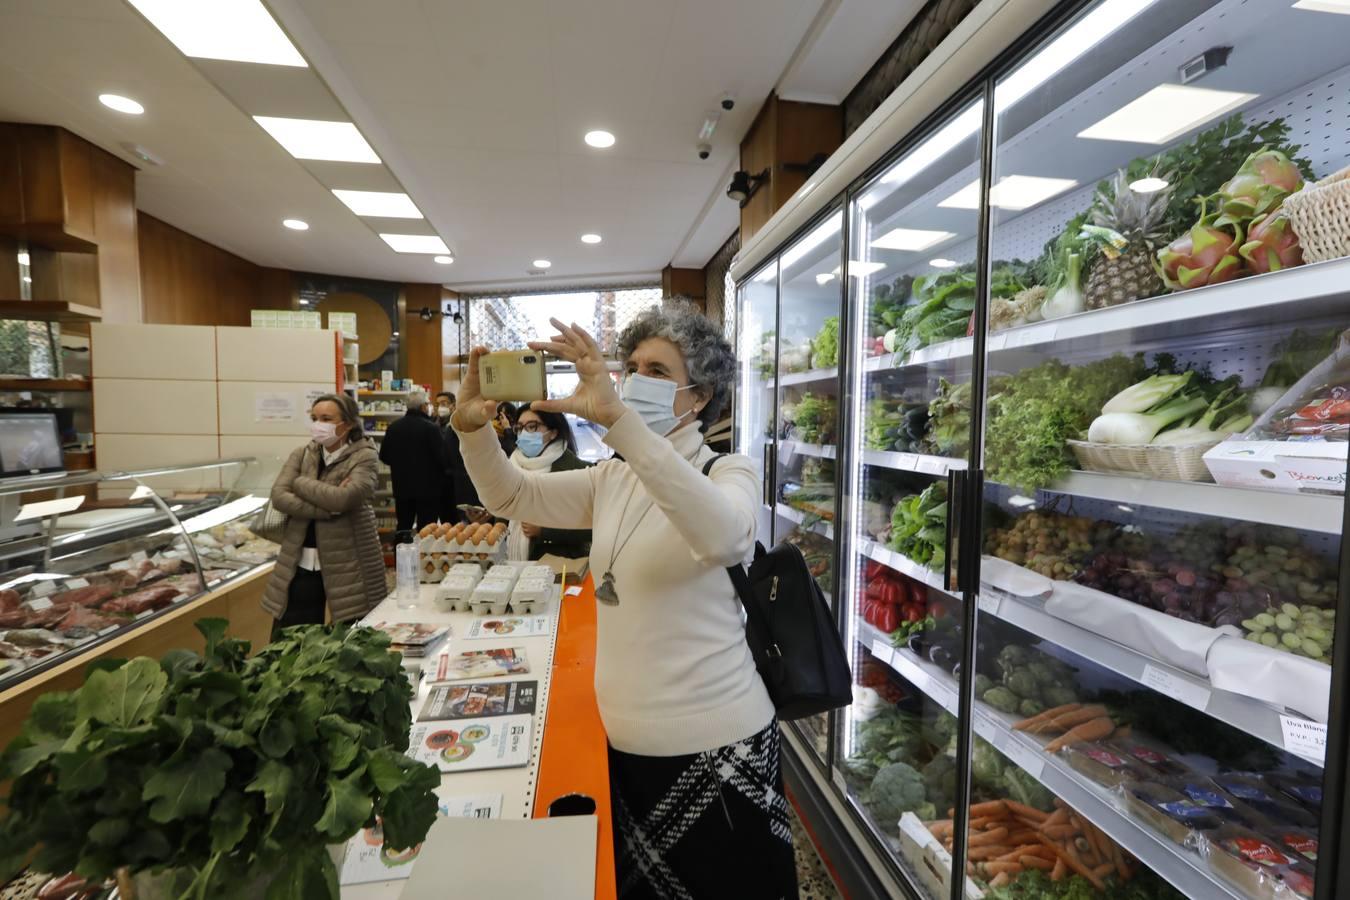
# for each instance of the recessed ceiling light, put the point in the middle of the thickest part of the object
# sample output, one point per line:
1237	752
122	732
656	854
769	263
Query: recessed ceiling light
1148	185
1010	192
315	139
599	139
942	263
859	269
416	243
296	224
121	104
543	264
444	260
825	277
591	239
1165	114
914	239
948	138
1326	6
381	204
24	258
239	30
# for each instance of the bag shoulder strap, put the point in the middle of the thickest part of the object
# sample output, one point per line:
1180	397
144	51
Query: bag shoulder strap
741	581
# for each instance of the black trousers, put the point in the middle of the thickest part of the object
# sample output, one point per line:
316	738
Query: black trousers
306	602
423	508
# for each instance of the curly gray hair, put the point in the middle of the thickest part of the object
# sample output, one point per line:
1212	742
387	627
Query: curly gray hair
711	361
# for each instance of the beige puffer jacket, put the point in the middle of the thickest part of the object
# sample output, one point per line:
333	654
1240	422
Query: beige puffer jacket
344	529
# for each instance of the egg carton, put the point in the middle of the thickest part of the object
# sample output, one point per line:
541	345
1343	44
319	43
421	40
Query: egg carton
434	567
532	595
455	593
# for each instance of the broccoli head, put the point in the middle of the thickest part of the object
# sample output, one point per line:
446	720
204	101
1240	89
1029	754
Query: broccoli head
896	790
986	765
939	780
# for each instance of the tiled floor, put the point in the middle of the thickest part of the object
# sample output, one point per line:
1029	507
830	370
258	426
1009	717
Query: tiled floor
813	879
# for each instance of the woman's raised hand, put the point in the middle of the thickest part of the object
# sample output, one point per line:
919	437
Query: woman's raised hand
595	397
472	412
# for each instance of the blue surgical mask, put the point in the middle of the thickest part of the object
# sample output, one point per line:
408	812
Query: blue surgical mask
530	443
654	400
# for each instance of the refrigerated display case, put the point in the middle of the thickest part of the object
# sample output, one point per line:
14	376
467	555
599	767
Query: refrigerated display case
92	556
1095	405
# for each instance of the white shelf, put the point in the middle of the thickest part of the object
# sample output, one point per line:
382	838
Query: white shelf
821	451
903	564
795	515
1181	867
913	462
1311	512
812	375
1304	291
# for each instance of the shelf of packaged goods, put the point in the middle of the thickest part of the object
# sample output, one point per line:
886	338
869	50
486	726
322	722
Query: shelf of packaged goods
1309	512
1308	291
821	451
820	527
54	385
1243	713
901	563
363	392
1182	868
807	377
382	413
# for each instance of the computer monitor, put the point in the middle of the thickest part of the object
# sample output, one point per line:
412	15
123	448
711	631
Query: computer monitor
30	443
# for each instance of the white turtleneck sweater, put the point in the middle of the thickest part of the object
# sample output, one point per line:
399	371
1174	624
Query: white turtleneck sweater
673	673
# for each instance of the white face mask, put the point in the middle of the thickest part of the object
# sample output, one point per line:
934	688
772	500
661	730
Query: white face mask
443	412
323	433
654	400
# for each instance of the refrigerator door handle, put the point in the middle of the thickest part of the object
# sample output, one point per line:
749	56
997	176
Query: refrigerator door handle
956	479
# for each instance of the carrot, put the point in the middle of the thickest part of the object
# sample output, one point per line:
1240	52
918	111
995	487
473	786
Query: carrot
1118	859
1065	721
1035	862
1025	836
1100	841
1095	730
1059	832
1059	871
1026	812
1069	856
983	822
1012	855
1003	868
1059	816
1045	716
1104	869
1000	880
991	808
992	851
987	838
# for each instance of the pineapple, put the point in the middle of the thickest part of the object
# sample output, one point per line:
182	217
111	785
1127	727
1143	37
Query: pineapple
1125	227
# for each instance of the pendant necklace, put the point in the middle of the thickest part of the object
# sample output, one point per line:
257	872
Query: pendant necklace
606	593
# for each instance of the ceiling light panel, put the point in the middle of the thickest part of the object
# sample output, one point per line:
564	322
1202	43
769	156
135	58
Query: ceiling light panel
1326	6
239	30
913	239
416	243
591	239
599	139
316	139
121	104
1011	192
379	204
860	269
1165	114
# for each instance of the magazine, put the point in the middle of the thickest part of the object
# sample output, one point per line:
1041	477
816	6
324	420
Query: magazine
508	626
463	727
367	860
464	701
412	639
480	664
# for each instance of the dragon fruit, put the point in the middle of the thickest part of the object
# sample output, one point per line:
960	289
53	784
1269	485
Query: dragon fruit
1265	179
1207	254
1271	243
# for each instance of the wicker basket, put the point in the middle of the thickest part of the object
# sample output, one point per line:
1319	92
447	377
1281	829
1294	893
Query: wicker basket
1320	214
1170	463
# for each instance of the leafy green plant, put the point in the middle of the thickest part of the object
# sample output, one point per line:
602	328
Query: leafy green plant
825	345
220	769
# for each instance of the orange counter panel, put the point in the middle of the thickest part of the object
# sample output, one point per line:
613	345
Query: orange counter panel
575	757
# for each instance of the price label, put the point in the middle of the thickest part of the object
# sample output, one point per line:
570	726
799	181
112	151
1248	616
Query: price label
42	589
882	650
989	603
76	583
1306	738
960	347
44	508
574	591
1175	686
931	465
986	726
39	604
997	342
1030	761
142	615
139	557
943	694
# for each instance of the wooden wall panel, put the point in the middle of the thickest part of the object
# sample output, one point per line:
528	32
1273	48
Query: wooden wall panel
758	152
422	340
785	136
187	281
119	267
688	283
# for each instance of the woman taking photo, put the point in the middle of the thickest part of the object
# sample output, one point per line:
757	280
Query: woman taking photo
544	443
697	791
330	558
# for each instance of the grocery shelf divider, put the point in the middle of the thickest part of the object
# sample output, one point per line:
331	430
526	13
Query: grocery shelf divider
807	377
1183	868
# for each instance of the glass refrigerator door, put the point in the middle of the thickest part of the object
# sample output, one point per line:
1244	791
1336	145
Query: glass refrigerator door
755	418
1164	453
806	508
912	268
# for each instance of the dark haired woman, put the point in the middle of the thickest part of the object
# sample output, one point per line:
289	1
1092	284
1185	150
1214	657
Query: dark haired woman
544	443
330	559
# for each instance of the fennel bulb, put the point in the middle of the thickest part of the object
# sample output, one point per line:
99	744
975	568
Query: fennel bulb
1141	428
1150	392
1264	398
1068	298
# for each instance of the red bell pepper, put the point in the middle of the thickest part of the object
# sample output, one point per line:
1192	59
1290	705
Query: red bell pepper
890	620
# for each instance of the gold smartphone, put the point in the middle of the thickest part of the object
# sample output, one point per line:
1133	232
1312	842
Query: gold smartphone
515	375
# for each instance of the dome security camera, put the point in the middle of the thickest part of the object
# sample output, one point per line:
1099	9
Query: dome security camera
728	102
704	151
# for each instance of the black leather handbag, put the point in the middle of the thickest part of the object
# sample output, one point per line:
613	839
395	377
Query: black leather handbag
791	631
